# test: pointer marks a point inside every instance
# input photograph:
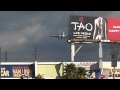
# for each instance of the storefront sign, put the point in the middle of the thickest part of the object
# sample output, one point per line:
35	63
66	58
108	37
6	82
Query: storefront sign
16	71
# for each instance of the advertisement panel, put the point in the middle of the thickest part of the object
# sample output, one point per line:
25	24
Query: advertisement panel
86	65
94	28
113	25
16	71
108	73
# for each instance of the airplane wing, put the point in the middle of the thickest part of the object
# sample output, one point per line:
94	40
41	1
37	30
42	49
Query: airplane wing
54	36
61	36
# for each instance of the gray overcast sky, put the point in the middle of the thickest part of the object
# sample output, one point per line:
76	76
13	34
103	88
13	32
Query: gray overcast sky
20	31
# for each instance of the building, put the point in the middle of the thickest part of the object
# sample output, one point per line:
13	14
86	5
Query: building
54	70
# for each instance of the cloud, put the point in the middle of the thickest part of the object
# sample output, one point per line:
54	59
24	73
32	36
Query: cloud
21	31
16	38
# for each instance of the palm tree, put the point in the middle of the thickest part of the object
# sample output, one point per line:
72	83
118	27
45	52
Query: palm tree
73	72
81	73
70	71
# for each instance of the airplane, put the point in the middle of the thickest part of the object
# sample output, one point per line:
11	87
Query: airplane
61	36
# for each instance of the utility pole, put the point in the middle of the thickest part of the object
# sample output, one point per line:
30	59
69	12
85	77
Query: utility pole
5	56
100	57
0	62
113	72
35	54
72	44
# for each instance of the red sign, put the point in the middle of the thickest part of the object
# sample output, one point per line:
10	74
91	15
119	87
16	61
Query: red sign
113	28
116	75
101	76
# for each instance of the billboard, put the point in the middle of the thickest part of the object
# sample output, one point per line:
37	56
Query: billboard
113	28
94	28
16	71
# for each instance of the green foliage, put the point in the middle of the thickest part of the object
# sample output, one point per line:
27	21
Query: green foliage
39	76
73	72
81	73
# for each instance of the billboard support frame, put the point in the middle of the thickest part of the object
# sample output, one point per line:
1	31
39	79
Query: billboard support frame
100	56
72	51
113	72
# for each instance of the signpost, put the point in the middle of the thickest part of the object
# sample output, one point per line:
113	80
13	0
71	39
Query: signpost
114	51
114	60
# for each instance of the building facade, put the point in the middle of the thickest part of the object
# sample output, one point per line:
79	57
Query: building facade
54	70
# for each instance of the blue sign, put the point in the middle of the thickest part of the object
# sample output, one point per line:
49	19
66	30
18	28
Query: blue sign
94	74
16	71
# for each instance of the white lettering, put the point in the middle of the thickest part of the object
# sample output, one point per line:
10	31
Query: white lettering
87	27
82	33
75	24
116	26
85	64
81	26
114	30
90	26
76	32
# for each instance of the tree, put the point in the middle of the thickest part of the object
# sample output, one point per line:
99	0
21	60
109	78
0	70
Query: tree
70	71
81	73
39	76
73	72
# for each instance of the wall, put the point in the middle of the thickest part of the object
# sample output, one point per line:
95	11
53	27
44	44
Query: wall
50	70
